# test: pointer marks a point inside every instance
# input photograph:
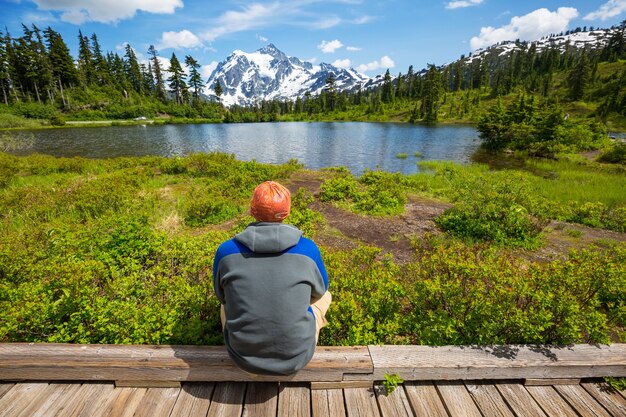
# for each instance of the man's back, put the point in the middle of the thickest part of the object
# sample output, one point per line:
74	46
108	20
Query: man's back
266	277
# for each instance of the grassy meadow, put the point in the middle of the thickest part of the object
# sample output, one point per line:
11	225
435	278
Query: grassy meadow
121	251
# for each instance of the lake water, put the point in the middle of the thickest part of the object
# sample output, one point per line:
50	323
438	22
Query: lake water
357	146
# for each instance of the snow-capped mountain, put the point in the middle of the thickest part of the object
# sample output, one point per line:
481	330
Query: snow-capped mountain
595	39
268	73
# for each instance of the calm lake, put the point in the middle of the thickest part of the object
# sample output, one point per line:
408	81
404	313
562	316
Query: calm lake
357	146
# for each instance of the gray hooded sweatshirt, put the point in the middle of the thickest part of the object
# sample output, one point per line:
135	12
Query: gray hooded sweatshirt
266	278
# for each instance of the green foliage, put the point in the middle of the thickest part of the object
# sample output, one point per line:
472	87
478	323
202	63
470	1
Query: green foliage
205	207
301	216
493	211
375	192
391	382
616	154
402	155
617	383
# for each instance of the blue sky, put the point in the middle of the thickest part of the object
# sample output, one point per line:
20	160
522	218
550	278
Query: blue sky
370	36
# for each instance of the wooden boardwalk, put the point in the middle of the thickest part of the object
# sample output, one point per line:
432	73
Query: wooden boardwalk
60	380
200	399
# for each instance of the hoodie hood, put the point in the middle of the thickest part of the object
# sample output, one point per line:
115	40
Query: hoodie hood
269	237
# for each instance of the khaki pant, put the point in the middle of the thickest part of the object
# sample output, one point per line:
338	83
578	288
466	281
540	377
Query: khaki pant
319	307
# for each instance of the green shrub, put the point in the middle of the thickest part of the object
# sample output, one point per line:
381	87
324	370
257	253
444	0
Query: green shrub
616	154
204	207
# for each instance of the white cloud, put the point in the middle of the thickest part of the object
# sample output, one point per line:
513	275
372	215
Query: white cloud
109	11
330	46
353	48
179	40
463	3
532	26
385	62
38	18
609	9
342	63
206	70
325	23
262	38
311	60
253	16
362	20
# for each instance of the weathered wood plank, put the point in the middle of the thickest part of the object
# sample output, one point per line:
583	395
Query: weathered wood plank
424	399
394	404
551	381
414	363
361	402
19	397
24	361
551	402
294	400
125	403
90	397
158	402
327	403
315	385
194	400
148	384
457	399
5	387
581	400
488	399
520	400
607	396
227	399
261	399
55	401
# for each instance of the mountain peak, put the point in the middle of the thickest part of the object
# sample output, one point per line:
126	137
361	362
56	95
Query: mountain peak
268	74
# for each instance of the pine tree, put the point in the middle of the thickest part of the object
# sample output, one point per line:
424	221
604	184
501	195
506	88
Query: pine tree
579	78
61	61
177	79
85	60
159	84
100	65
195	78
431	95
330	93
387	91
132	70
217	89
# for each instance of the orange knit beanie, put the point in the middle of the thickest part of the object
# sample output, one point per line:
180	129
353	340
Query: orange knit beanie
271	202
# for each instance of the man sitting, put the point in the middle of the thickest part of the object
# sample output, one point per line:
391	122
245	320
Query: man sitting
273	287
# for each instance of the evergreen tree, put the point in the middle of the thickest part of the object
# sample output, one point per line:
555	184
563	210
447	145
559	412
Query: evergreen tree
431	95
330	93
61	61
101	68
217	89
85	60
195	78
177	79
132	70
387	91
579	78
159	84
5	77
148	79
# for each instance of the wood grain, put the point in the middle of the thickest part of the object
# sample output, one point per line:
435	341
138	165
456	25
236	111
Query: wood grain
394	404
5	387
607	396
52	403
361	402
488	399
520	400
457	399
158	402
415	363
87	399
227	399
581	400
19	397
424	399
261	400
294	400
551	402
327	403
194	400
25	361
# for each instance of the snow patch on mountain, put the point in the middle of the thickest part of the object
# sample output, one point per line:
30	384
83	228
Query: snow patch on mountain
266	74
